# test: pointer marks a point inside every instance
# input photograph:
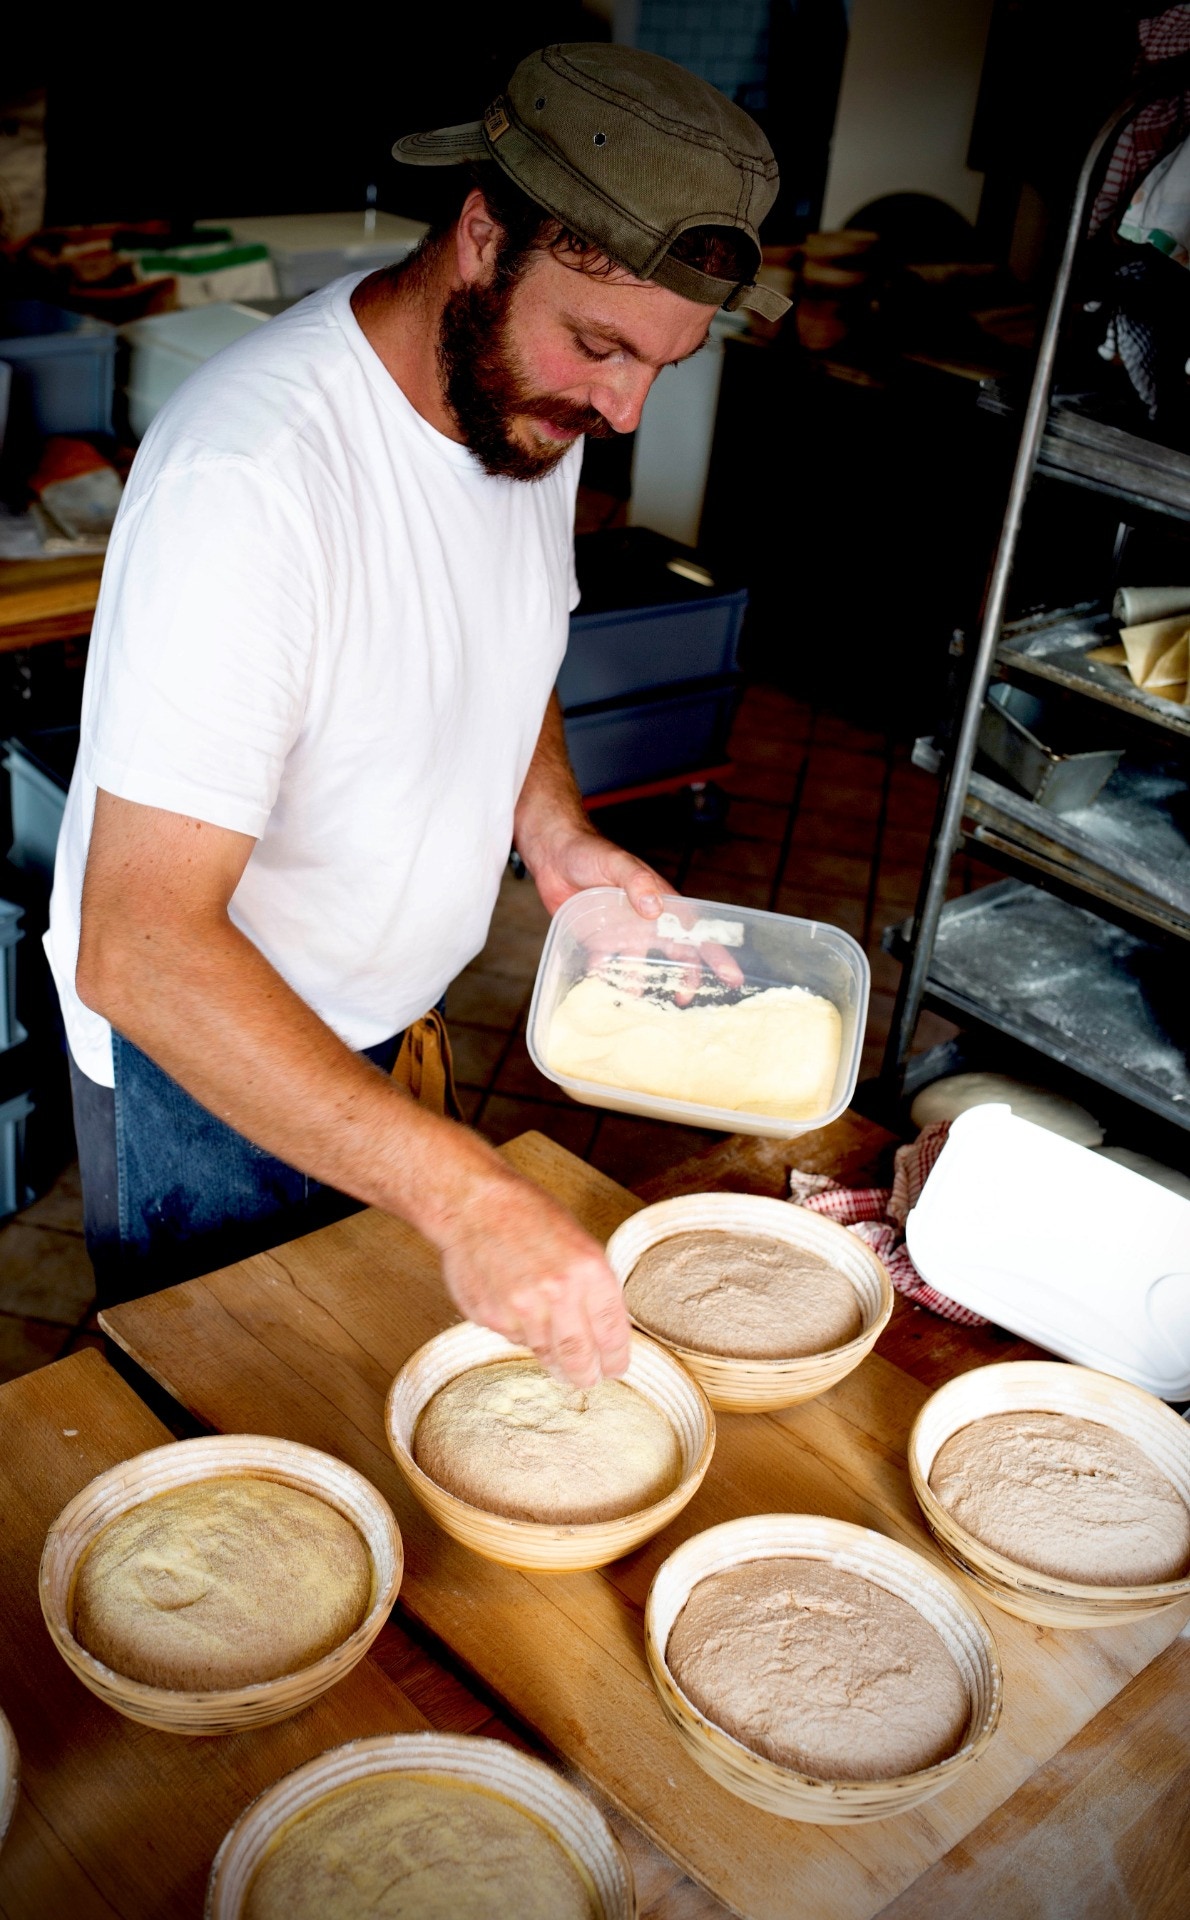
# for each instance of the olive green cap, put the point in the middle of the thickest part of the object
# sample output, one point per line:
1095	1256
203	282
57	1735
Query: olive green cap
627	150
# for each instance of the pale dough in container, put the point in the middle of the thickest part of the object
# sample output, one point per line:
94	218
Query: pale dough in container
1066	1496
818	1669
403	1845
512	1440
746	1295
221	1583
774	1052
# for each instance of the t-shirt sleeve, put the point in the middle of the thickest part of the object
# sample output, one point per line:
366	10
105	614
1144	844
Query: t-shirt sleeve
203	643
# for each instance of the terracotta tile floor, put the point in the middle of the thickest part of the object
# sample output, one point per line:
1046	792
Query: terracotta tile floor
825	820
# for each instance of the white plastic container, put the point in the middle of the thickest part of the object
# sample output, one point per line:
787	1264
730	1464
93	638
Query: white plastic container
771	949
164	348
1061	1246
311	249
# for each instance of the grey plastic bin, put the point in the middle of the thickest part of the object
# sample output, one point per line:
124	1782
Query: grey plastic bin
63	369
39	766
623	651
630	744
11	1030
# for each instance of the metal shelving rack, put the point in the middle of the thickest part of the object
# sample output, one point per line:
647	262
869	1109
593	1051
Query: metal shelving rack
1082	952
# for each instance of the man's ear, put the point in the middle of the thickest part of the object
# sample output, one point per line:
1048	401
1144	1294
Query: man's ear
477	241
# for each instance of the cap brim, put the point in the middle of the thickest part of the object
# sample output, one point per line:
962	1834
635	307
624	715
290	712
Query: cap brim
449	146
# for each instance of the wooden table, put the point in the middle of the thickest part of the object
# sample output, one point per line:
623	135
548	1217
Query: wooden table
114	1819
44	600
1080	1806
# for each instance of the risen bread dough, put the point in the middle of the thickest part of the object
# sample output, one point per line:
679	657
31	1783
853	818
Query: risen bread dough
819	1670
1149	1169
959	1092
743	1294
510	1439
1066	1496
404	1846
775	1052
222	1583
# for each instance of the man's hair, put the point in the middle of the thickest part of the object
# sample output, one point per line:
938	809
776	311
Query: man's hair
724	252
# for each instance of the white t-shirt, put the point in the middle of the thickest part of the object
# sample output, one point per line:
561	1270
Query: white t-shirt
322	624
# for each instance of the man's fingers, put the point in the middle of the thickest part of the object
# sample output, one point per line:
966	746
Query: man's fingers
643	887
534	1313
572	1346
609	1323
723	964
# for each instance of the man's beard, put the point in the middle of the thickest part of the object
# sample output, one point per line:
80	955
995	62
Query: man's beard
485	390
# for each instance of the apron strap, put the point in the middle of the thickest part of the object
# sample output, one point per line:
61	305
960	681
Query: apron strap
424	1065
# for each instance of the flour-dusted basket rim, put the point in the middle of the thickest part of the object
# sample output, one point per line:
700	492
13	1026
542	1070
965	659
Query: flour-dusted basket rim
490	1765
10	1775
1047	1386
940	1601
539	1545
751	1386
160	1470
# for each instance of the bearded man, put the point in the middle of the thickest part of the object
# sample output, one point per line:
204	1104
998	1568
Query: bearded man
318	708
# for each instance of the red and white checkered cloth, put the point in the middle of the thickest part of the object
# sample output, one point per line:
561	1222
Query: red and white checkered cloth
1157	128
877	1216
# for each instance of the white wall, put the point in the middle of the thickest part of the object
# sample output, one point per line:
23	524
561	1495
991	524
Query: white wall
906	105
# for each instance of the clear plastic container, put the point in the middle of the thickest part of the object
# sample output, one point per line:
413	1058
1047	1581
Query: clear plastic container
597	930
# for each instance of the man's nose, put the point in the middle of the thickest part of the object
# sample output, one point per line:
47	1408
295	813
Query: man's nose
620	398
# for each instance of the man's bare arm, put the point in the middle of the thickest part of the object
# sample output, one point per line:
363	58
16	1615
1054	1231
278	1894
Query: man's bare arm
557	842
161	959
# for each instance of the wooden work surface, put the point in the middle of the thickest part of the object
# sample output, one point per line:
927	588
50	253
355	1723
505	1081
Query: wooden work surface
303	1342
47	599
115	1819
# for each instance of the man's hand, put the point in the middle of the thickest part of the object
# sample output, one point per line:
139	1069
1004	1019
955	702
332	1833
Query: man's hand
557	842
519	1263
575	856
564	853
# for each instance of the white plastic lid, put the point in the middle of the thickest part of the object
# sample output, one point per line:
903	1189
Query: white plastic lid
1061	1246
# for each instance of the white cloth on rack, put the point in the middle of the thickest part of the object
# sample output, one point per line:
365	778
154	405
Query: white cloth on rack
1158	214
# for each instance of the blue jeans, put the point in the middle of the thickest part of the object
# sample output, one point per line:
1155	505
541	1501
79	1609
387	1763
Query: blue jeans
170	1191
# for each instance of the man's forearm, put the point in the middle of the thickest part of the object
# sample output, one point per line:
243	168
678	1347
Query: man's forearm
161	959
208	1007
549	803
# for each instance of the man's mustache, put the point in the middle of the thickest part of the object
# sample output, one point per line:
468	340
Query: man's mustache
567	415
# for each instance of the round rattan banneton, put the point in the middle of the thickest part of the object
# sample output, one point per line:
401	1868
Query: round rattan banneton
1047	1386
539	1545
752	1386
490	1766
219	1456
939	1600
10	1775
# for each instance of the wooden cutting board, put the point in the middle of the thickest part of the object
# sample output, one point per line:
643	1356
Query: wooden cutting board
303	1342
114	1818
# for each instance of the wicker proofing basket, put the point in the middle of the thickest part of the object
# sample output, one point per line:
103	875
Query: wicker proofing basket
937	1598
1047	1386
538	1545
10	1775
489	1765
752	1386
231	1709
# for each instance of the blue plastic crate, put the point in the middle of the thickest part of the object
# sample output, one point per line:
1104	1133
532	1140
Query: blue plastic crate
39	766
632	743
63	368
622	651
